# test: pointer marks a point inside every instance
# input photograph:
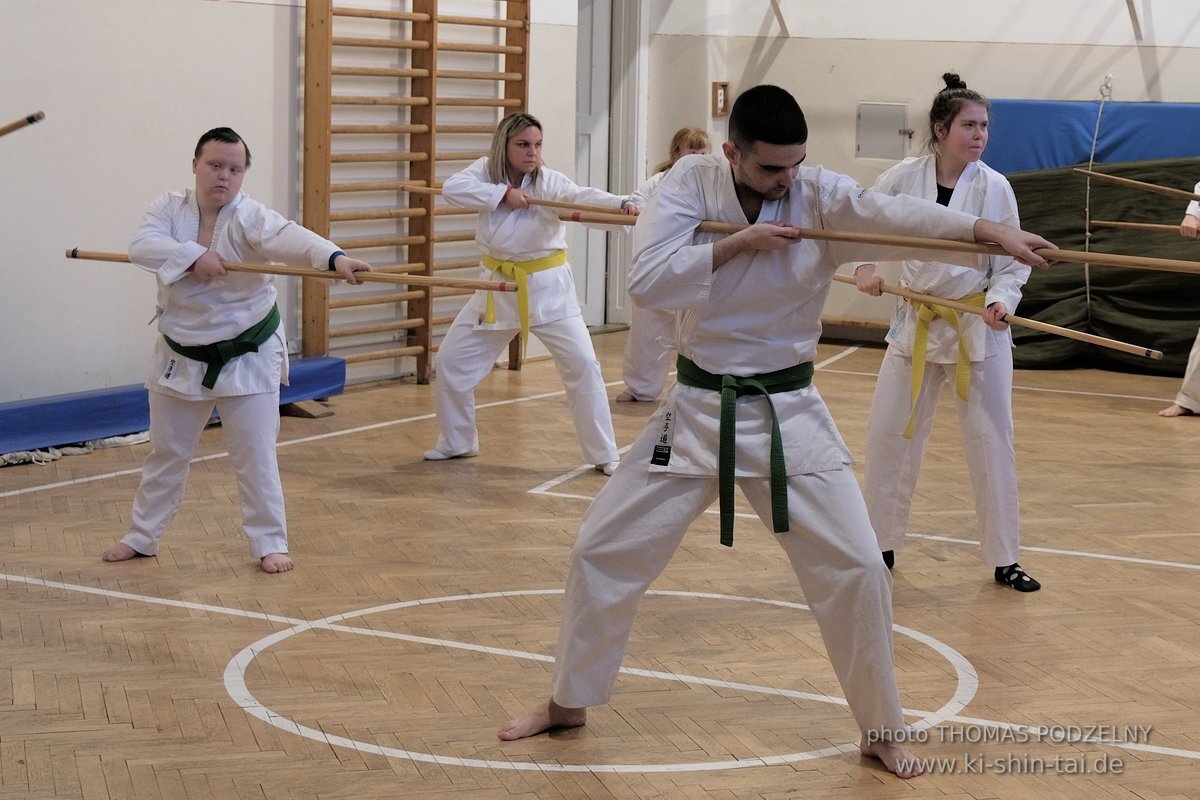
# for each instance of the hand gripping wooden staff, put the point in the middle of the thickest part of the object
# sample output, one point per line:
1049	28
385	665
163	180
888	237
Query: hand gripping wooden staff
1013	319
21	123
302	272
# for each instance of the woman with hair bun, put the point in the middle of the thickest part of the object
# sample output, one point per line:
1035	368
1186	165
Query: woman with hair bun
930	345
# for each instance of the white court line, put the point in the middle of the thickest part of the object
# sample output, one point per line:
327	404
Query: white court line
327	623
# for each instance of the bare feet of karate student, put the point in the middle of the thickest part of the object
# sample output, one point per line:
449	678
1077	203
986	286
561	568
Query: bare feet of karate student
120	552
897	759
542	717
1176	410
626	397
277	562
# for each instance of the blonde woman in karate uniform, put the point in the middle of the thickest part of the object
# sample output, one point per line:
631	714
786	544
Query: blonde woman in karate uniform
184	239
525	243
971	353
652	331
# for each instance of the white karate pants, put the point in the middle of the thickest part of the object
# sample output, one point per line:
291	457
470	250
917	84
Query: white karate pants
251	424
468	354
1189	393
633	527
647	359
985	420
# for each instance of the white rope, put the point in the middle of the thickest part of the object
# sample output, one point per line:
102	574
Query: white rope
1105	96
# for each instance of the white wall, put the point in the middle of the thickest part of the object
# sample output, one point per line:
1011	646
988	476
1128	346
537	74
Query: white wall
127	87
838	55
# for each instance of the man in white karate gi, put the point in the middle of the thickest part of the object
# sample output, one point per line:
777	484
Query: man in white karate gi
749	308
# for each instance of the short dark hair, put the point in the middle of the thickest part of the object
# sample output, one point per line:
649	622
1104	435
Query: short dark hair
768	114
227	135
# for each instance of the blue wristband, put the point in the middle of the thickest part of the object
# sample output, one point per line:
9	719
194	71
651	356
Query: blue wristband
333	258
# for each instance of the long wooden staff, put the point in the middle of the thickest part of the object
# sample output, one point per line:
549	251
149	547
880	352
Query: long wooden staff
602	216
1013	319
301	272
893	240
1141	226
1145	187
21	123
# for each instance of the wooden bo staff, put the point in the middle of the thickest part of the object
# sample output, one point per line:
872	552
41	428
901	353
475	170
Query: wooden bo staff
601	216
1145	187
302	272
36	116
1141	226
1013	319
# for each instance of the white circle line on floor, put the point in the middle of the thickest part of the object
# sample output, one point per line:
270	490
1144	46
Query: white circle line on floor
235	684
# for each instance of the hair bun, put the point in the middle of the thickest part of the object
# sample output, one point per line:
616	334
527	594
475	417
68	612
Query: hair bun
953	81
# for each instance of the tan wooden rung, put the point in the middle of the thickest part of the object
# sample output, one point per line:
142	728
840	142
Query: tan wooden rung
465	129
370	13
394	44
459	263
466	155
382	72
384	213
479	21
453	211
369	100
378	129
376	158
466	47
379	355
376	299
368	186
479	102
446	238
471	75
380	241
378	327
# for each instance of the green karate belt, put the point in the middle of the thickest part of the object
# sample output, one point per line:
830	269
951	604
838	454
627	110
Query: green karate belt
731	387
218	354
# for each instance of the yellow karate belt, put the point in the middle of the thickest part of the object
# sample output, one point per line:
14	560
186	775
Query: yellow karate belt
520	271
926	313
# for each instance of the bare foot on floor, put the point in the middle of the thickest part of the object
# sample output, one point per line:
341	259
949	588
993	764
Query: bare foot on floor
120	552
277	562
626	397
1176	410
897	759
542	717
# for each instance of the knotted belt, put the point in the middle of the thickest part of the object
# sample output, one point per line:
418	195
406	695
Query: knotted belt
520	271
731	387
218	354
926	313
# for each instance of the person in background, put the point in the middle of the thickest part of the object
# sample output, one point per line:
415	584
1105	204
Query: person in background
652	331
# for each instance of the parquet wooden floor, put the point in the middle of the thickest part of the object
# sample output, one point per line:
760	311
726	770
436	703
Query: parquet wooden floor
424	607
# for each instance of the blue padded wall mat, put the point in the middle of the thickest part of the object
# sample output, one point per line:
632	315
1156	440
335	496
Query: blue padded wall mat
1029	135
80	416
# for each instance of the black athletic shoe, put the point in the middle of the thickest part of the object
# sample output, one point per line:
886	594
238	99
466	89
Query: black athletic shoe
1017	578
889	558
